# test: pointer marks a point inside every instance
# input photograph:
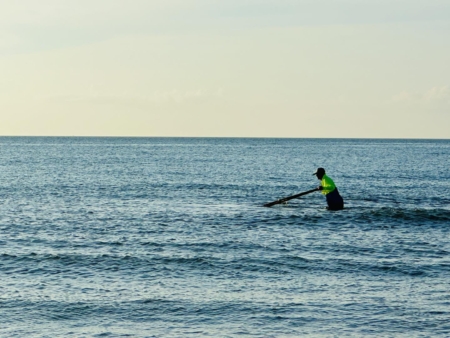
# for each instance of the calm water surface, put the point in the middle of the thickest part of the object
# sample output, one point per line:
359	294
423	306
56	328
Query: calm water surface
166	237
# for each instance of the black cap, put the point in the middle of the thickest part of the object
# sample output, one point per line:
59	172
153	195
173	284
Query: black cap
320	171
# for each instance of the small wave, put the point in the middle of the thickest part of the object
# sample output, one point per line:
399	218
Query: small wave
417	215
71	263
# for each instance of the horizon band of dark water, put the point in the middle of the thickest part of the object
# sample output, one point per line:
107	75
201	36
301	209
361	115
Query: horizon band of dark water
167	237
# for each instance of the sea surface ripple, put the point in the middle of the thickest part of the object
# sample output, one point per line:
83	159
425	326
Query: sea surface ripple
167	237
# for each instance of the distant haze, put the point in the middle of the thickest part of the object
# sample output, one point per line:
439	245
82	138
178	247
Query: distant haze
235	68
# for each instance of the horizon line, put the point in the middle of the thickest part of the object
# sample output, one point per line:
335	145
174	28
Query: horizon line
228	137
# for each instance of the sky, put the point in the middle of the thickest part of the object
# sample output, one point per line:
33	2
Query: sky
225	68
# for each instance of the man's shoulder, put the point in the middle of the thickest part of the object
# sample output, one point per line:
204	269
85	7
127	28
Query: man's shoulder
327	178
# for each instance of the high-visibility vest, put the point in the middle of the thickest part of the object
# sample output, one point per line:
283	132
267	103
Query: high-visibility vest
327	184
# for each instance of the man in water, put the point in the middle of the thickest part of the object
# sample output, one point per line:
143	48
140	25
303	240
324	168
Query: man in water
328	188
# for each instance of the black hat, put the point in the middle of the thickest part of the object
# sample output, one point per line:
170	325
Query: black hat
320	171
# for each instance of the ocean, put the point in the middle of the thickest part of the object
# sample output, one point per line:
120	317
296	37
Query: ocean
167	237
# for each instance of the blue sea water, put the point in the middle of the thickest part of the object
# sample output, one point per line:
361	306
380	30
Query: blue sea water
167	237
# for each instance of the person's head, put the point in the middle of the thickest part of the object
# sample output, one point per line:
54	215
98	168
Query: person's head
320	173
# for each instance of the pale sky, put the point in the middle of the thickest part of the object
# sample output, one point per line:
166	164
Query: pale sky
233	68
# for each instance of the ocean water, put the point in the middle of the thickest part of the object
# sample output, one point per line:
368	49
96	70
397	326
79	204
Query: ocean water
167	237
